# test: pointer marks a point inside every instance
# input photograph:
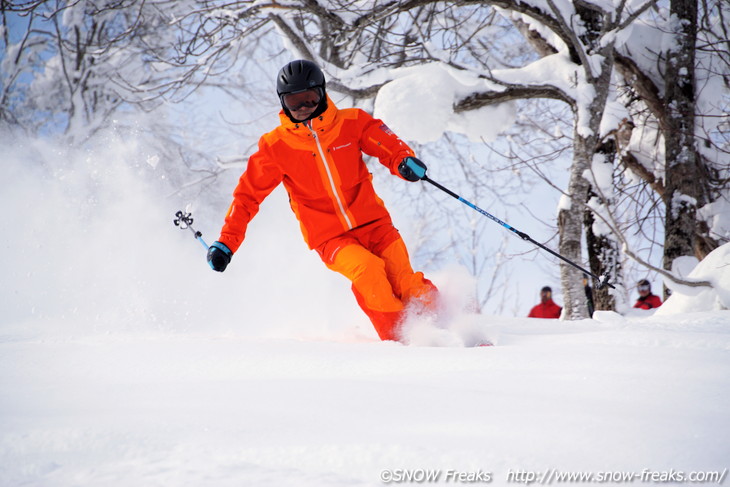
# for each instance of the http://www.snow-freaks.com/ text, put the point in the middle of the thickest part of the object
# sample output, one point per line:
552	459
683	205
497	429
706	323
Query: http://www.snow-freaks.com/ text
550	476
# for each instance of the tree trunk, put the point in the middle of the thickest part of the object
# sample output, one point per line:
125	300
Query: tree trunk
683	172
603	257
585	145
603	249
570	219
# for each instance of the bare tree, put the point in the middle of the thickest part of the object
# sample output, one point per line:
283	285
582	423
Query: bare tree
76	69
626	99
577	38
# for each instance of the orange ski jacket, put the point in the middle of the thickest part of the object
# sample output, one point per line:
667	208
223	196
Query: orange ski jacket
321	165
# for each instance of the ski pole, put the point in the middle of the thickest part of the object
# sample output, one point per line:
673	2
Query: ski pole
602	280
185	220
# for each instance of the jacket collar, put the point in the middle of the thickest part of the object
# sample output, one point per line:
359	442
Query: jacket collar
325	119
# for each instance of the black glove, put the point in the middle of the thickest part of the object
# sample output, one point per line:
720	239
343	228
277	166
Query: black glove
412	169
219	256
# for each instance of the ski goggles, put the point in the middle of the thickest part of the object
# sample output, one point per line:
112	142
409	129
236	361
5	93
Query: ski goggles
644	287
302	99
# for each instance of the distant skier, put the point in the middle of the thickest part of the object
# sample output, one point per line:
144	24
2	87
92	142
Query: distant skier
646	300
316	153
547	307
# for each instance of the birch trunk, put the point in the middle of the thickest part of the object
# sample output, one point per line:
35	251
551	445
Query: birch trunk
570	225
585	145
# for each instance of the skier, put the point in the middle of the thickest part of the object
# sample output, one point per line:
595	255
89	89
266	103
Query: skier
646	300
547	307
316	153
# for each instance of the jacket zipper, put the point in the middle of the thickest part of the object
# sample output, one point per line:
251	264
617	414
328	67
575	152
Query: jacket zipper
331	179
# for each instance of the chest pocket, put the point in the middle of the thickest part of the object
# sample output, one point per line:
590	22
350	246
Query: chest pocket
347	157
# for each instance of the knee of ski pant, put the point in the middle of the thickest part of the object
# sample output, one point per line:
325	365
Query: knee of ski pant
354	261
366	271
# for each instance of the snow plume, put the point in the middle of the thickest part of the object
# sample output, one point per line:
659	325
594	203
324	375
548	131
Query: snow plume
456	324
77	222
89	246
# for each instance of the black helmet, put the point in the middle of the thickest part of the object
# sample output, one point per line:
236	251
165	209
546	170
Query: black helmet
301	75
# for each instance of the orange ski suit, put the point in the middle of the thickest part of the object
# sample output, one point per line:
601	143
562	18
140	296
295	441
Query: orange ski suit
331	192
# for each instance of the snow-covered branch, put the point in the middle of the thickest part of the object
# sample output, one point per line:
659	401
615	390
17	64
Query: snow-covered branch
510	93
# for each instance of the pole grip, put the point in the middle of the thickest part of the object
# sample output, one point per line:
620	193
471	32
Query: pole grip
442	188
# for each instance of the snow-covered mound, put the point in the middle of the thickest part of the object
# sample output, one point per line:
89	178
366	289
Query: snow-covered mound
715	268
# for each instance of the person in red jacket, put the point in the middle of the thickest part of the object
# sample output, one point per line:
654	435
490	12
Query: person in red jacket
547	307
646	300
317	154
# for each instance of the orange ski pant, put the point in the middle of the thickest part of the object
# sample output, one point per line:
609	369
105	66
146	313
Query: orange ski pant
374	258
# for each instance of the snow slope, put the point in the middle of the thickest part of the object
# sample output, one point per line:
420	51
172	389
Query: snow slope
203	409
124	361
